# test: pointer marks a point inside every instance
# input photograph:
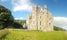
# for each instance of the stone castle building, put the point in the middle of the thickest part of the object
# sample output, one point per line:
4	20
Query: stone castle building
40	19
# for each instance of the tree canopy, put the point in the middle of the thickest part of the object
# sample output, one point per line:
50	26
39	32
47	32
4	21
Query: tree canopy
58	29
6	18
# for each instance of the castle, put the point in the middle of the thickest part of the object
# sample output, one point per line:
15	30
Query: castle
40	19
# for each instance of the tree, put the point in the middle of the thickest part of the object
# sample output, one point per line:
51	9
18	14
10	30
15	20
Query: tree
17	25
6	18
20	22
58	29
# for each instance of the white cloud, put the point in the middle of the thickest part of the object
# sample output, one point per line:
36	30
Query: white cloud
61	22
20	18
19	5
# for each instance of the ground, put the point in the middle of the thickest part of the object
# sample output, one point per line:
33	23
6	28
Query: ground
19	34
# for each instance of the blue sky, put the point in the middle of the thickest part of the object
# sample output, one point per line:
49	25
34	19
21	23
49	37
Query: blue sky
56	7
22	8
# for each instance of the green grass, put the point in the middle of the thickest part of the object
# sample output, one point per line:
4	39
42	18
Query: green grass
35	35
3	33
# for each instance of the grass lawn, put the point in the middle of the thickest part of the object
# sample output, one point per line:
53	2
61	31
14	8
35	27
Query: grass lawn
35	35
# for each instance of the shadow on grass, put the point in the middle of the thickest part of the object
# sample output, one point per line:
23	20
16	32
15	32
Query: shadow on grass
3	37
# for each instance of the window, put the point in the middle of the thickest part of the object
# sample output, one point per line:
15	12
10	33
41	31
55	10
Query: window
40	22
49	24
40	17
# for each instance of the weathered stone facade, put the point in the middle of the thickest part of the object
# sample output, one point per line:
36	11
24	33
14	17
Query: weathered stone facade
40	19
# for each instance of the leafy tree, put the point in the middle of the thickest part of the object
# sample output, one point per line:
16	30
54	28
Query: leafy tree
17	25
6	18
21	22
58	29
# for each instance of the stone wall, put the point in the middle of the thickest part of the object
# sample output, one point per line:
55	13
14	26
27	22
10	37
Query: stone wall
40	19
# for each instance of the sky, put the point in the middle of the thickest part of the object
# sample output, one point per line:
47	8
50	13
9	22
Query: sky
22	8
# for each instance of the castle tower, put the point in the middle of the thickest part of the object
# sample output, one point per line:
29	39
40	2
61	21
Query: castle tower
44	22
40	19
35	13
50	22
28	22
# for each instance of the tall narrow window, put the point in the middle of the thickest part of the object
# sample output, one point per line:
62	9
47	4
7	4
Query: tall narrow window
40	22
40	17
49	24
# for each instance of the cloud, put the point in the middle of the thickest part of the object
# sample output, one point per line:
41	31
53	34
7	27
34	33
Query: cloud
61	22
20	5
20	18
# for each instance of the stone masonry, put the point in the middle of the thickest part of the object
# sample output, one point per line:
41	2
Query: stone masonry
40	19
